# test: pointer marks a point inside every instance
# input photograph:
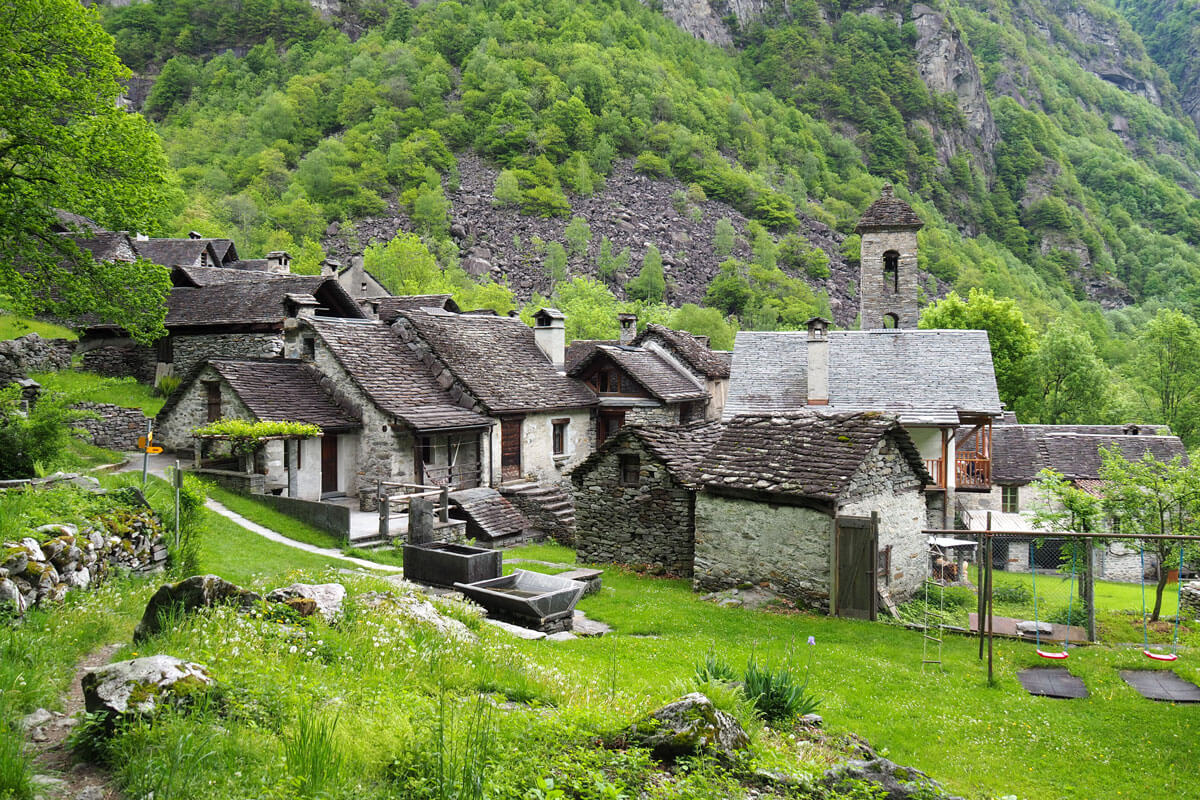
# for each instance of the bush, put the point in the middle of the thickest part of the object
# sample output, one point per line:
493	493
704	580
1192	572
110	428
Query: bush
1078	616
652	164
34	439
1015	593
776	693
167	385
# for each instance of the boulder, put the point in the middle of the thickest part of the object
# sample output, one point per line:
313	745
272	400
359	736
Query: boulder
11	599
198	591
325	599
894	781
691	724
33	549
417	610
141	685
13	559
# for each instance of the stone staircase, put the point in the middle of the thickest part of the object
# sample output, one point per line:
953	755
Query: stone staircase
548	507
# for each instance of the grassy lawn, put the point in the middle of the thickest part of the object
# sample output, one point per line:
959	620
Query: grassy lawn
229	550
293	528
980	739
13	326
88	387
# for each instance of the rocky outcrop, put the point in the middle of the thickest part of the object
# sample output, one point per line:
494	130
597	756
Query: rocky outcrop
691	724
307	599
142	685
187	596
947	66
1103	47
416	610
32	353
893	781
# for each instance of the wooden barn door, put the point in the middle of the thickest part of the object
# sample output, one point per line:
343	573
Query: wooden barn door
510	449
856	543
329	464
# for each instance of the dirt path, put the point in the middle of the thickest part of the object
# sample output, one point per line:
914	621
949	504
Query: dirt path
52	760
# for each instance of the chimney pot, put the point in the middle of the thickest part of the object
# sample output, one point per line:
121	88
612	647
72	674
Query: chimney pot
628	323
818	361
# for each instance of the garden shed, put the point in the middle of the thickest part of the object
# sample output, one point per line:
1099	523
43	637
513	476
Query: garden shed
811	505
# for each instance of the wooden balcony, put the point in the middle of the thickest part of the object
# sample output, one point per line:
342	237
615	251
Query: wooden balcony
973	474
934	466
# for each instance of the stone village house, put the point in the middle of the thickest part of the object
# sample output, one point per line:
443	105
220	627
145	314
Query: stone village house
777	492
1021	452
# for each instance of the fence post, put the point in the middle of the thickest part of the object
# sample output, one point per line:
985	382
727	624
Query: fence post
177	479
444	499
146	449
1089	588
382	502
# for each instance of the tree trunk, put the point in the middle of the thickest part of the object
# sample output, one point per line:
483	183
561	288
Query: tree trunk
1158	592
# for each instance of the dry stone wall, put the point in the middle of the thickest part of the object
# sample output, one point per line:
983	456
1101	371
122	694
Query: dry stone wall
122	360
645	525
32	353
190	350
114	427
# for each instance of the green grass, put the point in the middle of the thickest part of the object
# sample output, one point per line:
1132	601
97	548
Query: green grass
88	387
295	529
229	550
14	326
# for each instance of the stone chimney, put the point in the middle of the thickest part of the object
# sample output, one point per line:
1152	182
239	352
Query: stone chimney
818	361
628	327
195	235
279	262
330	267
550	333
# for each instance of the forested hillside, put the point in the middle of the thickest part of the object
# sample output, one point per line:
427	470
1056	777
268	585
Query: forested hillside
517	145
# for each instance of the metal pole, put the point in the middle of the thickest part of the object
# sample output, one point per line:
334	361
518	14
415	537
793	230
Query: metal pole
146	451
382	502
178	481
990	610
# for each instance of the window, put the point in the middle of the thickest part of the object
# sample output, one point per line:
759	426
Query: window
608	381
686	410
631	469
1009	503
560	436
891	321
310	347
214	401
891	271
426	450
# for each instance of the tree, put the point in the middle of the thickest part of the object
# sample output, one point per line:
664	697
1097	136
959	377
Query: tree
1149	496
1011	338
555	262
704	322
723	238
405	266
1070	383
1166	369
64	143
649	285
590	308
578	235
508	188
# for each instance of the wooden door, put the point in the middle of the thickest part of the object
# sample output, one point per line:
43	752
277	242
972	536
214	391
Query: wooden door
856	558
510	449
329	464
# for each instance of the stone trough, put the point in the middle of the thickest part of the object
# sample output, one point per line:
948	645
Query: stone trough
530	599
449	564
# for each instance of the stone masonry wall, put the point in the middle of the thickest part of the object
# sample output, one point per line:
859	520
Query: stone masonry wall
661	415
886	484
647	524
173	430
122	359
32	353
747	541
114	427
877	296
190	350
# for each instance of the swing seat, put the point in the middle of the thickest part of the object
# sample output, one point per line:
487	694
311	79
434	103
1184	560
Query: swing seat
1160	656
1054	656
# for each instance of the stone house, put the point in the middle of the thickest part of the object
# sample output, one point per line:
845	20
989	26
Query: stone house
1021	452
779	494
693	354
513	374
357	282
939	383
188	252
635	497
266	390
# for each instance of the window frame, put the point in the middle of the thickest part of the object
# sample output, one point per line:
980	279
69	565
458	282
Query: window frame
629	469
1010	499
559	438
212	401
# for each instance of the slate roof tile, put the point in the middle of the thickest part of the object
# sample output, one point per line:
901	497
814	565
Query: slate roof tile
499	362
808	454
250	302
1020	452
580	349
681	448
284	389
172	252
887	212
392	376
659	377
692	350
388	308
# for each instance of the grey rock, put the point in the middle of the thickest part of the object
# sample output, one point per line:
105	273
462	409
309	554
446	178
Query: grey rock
141	685
812	720
33	549
190	594
11	597
327	598
691	724
896	782
90	793
36	718
1030	627
417	610
47	782
516	630
59	529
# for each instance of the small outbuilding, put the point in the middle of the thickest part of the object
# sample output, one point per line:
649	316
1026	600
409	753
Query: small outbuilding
635	497
823	508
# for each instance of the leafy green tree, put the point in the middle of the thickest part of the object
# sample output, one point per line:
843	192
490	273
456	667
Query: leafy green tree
724	236
555	262
578	235
1012	340
590	308
431	210
729	291
1166	369
610	264
508	188
649	286
704	322
1069	382
405	266
796	253
1149	496
64	143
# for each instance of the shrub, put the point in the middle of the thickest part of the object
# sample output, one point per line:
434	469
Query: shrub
167	385
508	189
714	668
27	439
1078	615
776	693
1016	593
652	164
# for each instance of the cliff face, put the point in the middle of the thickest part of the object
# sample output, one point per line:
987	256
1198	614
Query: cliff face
1171	32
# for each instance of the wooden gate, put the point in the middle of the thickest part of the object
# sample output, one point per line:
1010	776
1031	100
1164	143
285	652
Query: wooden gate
329	463
510	449
856	545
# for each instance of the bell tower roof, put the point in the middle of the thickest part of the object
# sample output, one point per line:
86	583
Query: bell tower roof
889	213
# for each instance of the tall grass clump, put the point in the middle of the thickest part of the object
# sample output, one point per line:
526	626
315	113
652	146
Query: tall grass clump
313	757
714	669
16	768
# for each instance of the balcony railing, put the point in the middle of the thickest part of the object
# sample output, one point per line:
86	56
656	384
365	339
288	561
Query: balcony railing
973	473
459	476
934	467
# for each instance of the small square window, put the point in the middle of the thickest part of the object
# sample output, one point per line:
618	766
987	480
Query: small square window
1009	502
631	470
560	436
310	348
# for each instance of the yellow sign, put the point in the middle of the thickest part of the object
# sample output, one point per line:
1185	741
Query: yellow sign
154	450
141	443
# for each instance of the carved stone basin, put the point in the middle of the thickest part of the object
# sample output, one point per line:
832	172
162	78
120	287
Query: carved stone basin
529	599
447	564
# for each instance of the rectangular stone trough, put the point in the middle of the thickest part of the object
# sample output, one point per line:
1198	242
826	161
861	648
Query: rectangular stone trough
529	599
448	564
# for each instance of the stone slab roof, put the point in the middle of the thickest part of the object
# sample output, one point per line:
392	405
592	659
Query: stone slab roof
888	212
580	349
806	455
70	222
106	245
173	252
393	377
659	377
209	276
490	512
388	308
692	350
924	376
263	301
681	448
499	362
1020	452
284	389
